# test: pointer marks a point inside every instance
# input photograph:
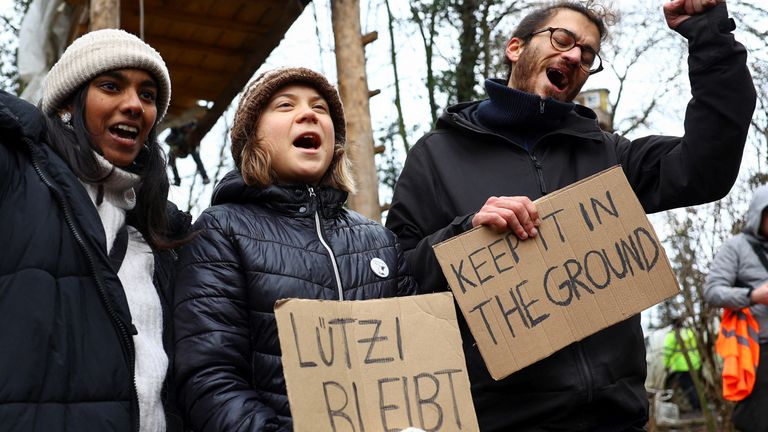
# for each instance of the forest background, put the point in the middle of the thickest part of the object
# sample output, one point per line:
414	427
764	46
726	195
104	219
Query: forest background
432	53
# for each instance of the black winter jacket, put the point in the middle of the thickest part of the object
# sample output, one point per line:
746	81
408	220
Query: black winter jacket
597	383
67	356
257	246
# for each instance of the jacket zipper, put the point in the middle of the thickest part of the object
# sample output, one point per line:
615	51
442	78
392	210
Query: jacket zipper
582	363
539	174
335	266
122	330
536	163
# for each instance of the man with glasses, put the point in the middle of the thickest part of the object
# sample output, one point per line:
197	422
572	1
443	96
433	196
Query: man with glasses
486	161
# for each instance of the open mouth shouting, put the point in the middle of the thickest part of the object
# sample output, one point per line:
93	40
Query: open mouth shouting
558	77
308	141
124	133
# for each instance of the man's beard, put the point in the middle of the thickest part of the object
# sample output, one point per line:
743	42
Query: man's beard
524	77
523	74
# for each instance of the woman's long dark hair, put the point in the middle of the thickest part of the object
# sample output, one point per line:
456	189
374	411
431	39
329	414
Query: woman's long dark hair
74	145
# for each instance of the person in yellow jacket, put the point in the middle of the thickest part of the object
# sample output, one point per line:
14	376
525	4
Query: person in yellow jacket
679	370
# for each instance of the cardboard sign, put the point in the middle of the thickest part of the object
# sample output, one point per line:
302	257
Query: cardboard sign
375	365
595	262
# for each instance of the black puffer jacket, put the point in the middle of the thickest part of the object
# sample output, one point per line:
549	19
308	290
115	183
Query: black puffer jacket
67	356
597	383
257	246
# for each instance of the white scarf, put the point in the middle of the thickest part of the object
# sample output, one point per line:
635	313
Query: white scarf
136	275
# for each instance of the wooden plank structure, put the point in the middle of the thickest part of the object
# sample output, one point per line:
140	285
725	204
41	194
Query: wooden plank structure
212	48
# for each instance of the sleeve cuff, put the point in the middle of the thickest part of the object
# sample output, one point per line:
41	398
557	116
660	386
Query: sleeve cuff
466	224
749	296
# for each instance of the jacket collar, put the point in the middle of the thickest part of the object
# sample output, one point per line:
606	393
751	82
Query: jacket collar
290	199
511	108
579	121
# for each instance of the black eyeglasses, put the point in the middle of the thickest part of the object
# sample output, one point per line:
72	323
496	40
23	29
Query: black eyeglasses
563	40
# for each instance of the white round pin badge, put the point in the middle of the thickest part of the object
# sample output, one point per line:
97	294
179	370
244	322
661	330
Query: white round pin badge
379	267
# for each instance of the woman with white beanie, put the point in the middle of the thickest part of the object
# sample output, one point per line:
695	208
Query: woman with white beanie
87	235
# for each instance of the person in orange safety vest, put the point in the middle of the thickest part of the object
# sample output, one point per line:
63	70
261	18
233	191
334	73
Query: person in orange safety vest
738	282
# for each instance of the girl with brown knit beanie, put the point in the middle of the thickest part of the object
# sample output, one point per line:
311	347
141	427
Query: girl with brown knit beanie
277	229
87	232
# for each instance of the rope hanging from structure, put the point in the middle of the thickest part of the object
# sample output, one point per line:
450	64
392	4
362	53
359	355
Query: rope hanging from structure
141	19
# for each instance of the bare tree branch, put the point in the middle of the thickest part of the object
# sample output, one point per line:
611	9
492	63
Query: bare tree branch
393	59
428	35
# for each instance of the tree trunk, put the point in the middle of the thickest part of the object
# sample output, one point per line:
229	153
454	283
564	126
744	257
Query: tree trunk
105	14
353	88
469	51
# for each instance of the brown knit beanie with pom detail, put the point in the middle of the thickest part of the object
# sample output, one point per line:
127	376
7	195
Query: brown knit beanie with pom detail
261	90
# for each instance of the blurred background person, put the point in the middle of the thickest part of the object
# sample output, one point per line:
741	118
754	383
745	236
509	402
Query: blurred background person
737	280
680	348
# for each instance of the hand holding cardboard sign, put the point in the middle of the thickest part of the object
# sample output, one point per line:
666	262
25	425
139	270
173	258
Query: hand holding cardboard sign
517	214
595	261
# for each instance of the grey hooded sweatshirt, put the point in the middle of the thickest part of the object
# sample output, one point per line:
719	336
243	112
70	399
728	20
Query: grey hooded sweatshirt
736	268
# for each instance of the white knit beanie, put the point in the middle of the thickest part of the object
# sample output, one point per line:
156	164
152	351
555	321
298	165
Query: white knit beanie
100	51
